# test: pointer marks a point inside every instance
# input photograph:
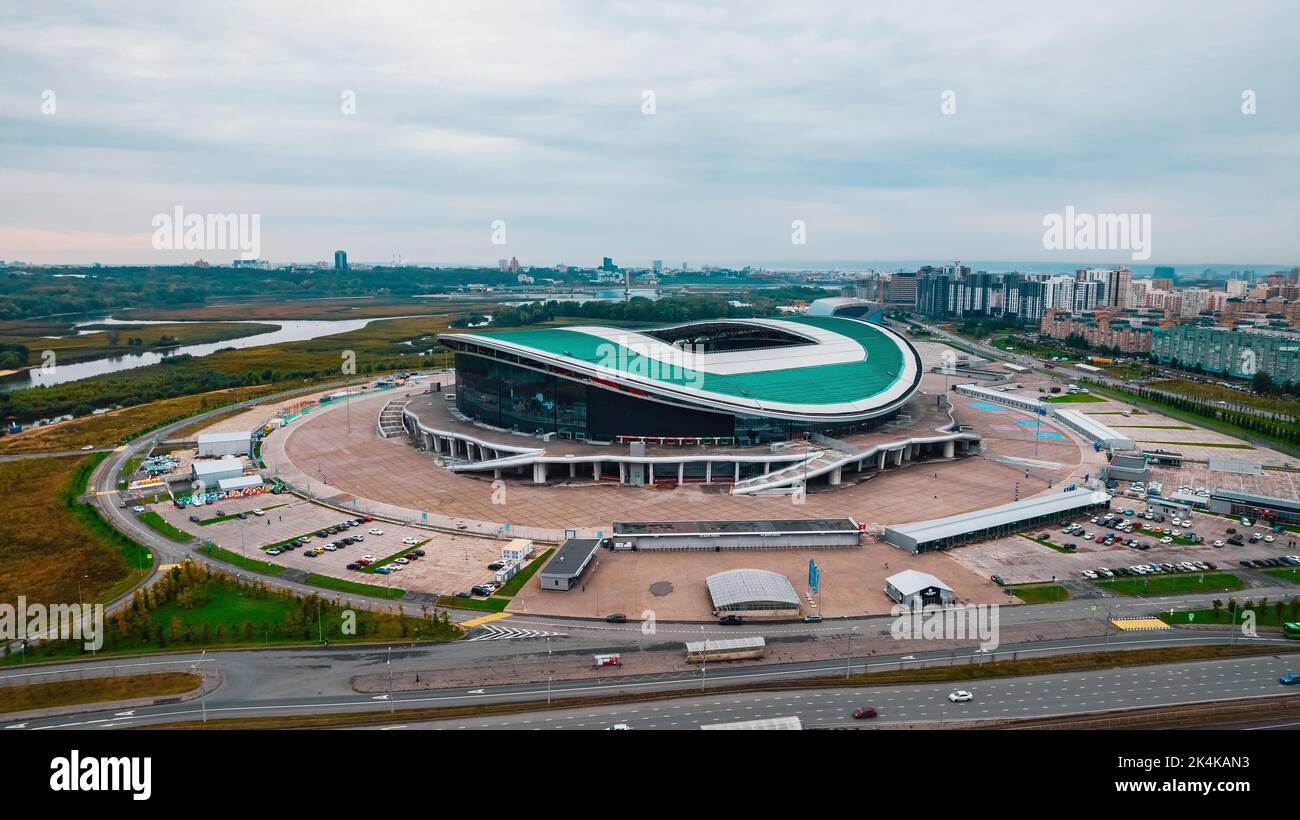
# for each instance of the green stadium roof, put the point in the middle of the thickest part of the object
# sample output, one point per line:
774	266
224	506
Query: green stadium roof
847	368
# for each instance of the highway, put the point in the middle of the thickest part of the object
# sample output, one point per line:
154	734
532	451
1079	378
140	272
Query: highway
291	682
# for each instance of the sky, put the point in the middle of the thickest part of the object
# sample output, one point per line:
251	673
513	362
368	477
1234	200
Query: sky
909	130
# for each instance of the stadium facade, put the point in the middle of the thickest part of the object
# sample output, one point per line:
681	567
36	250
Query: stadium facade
750	380
757	403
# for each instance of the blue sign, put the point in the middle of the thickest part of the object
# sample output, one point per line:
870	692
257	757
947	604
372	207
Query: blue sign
814	575
424	516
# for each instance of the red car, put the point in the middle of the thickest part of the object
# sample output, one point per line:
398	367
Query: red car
865	712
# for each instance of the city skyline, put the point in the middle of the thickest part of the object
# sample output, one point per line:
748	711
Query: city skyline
659	132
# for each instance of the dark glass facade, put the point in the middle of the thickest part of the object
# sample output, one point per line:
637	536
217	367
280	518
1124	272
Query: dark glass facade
505	395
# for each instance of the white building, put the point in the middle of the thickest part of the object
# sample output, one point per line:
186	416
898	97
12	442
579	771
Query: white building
215	445
913	588
210	472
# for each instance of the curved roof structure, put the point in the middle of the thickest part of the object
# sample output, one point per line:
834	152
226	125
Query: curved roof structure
811	368
750	589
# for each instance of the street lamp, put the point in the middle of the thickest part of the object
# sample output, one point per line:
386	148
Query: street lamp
704	667
203	693
389	663
848	662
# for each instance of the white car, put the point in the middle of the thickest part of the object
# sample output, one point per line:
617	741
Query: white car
272	552
1166	540
401	561
1218	542
330	548
1087	573
1268	538
369	558
619	727
394	567
1175	533
375	531
88	447
408	541
259	511
1087	536
961	696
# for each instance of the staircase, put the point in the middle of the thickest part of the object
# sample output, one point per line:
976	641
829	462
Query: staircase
390	418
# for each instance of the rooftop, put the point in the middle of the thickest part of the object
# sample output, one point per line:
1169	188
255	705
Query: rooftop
751	589
912	581
1013	513
572	556
842	365
724	527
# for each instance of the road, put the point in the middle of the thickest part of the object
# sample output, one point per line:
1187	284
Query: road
1047	695
319	680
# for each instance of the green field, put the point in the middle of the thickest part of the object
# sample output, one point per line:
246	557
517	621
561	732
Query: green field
1039	593
1165	584
341	585
263	567
1267	615
158	524
383	562
192	607
478	604
1046	543
1291	574
1073	398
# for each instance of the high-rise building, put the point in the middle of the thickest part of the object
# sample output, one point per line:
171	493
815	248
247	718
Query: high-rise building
607	265
1088	294
901	288
340	260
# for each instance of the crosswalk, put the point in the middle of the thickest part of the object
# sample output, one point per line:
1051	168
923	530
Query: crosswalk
1137	624
492	632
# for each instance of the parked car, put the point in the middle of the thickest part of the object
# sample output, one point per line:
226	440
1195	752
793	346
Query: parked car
273	551
259	511
731	620
376	531
616	618
812	619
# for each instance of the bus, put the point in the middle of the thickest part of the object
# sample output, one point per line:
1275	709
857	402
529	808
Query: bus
1290	630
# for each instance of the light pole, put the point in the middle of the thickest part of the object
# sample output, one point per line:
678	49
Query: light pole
550	675
704	667
203	694
848	662
389	662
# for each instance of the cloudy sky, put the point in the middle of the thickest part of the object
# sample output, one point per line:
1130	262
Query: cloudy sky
535	114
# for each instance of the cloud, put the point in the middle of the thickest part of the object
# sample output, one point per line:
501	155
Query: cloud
765	113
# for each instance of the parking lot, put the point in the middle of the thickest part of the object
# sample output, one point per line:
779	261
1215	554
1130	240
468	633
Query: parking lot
1019	559
451	562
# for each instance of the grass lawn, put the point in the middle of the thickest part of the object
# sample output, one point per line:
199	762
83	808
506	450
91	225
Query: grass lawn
1291	574
511	588
383	562
339	584
1219	444
54	547
1265	616
158	524
1073	398
122	425
1178	539
95	690
263	567
196	608
1174	582
1046	543
477	604
1039	593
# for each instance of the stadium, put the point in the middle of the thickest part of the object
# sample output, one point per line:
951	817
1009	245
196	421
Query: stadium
752	381
758	404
